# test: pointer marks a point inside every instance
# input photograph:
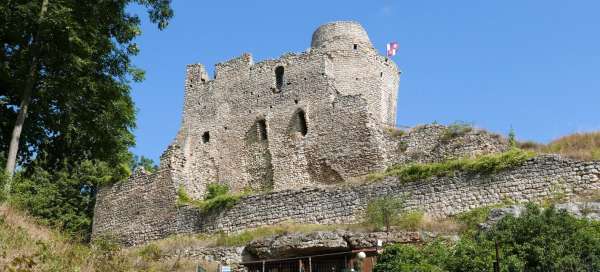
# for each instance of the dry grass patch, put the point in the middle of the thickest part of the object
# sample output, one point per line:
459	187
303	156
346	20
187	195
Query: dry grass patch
578	146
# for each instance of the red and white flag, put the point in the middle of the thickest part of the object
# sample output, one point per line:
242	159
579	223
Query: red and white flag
392	47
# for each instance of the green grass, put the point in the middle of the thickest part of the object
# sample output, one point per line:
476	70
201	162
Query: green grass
218	198
486	164
28	246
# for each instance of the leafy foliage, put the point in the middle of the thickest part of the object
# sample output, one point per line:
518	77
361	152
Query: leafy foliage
410	220
81	106
3	181
485	164
512	138
64	198
214	190
547	240
384	212
143	162
217	198
75	58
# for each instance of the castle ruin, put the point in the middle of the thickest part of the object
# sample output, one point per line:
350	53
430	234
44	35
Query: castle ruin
301	120
296	128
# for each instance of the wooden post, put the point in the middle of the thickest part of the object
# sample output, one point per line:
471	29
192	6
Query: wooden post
309	264
263	270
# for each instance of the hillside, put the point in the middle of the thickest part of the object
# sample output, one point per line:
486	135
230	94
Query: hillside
28	246
579	146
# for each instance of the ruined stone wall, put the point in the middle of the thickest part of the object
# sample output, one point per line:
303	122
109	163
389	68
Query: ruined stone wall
141	209
142	212
429	143
537	179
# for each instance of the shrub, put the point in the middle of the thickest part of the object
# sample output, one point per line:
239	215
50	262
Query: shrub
217	198
395	132
63	198
485	164
547	240
455	130
3	182
215	189
474	217
410	220
107	255
512	138
384	212
150	252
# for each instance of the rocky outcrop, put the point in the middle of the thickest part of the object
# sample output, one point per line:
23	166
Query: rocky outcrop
320	242
588	210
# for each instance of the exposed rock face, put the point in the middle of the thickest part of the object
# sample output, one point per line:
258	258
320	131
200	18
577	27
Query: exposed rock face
369	240
497	214
299	244
589	210
223	255
295	244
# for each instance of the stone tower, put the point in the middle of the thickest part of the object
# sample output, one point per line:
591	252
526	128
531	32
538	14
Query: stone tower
307	119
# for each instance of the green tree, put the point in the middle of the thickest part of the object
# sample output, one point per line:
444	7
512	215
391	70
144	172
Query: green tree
385	211
547	240
63	198
64	74
144	162
66	113
512	138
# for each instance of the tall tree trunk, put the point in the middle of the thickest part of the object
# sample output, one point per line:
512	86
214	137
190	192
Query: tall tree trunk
32	75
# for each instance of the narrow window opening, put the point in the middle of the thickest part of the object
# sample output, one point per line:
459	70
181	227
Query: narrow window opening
206	137
301	125
262	129
279	77
355	46
295	101
381	74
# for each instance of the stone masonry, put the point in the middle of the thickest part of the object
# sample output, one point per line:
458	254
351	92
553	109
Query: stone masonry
303	129
313	116
535	180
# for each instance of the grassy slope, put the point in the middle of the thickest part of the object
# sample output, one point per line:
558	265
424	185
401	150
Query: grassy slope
27	246
580	146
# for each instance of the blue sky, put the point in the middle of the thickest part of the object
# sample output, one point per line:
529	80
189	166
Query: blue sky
532	65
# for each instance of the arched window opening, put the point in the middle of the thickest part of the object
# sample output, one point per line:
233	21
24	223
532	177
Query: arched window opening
355	46
279	77
262	129
206	137
301	122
